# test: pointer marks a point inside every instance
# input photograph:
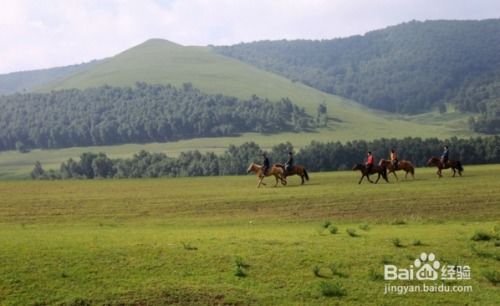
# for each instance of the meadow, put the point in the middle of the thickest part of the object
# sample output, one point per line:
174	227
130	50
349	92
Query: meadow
222	241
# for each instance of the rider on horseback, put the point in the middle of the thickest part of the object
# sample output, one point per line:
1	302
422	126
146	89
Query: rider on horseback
369	162
394	159
444	156
265	164
289	163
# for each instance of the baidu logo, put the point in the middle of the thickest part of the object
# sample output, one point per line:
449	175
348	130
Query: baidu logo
426	267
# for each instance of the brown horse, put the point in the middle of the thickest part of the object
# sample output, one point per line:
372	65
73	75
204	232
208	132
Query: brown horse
275	170
453	164
381	171
296	170
402	165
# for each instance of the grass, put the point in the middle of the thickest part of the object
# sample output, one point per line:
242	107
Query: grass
417	242
397	242
121	241
333	229
482	236
332	289
352	232
493	277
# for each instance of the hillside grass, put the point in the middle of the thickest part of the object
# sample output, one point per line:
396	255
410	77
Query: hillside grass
180	241
162	62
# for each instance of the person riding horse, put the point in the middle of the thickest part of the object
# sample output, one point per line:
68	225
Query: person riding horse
394	159
289	163
265	164
445	156
369	162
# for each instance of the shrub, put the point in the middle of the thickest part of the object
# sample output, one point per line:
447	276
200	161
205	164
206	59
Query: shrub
482	236
189	247
333	229
326	224
240	272
332	289
239	262
364	227
352	232
493	277
397	243
417	242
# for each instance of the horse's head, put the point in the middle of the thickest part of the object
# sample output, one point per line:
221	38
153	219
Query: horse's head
251	168
382	162
432	161
357	167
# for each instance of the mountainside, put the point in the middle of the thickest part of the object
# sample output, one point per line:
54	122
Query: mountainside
409	68
159	61
25	81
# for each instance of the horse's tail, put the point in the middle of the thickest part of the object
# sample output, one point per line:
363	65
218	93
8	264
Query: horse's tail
459	166
305	174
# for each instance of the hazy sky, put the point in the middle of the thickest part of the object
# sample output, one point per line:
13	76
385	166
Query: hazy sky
46	33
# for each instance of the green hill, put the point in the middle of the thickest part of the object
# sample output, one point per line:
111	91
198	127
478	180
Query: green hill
162	62
410	68
29	80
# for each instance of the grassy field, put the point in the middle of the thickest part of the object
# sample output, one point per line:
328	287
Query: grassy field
180	241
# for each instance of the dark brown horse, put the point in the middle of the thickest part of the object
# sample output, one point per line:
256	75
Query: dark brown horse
296	170
455	165
275	170
381	171
402	165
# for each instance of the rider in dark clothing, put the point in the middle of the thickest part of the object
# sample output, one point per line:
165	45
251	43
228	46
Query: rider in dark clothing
266	164
445	156
289	163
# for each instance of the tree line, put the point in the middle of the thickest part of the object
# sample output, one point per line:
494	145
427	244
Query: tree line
143	113
410	68
316	156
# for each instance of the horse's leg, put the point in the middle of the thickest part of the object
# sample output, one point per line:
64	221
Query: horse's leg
260	181
378	178
362	177
302	177
454	171
394	172
276	177
439	173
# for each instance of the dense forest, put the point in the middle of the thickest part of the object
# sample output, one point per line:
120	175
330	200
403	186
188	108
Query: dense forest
409	68
144	113
315	157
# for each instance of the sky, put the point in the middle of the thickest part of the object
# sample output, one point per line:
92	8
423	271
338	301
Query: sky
38	34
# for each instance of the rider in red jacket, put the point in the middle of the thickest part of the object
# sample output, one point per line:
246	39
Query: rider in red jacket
369	162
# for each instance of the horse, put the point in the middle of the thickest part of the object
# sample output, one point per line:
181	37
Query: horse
275	170
381	171
296	170
453	164
402	165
